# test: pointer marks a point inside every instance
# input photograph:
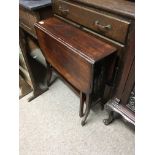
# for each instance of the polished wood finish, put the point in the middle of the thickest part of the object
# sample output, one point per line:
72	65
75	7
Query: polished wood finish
129	84
80	58
113	106
77	53
126	63
124	8
109	26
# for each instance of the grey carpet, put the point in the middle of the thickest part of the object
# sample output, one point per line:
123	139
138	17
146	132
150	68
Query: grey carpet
50	125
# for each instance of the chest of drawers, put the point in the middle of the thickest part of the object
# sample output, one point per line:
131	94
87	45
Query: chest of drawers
102	23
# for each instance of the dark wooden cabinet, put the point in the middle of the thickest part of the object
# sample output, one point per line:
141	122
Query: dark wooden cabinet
31	12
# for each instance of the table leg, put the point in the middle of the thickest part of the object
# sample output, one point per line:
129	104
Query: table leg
49	73
82	100
24	47
87	110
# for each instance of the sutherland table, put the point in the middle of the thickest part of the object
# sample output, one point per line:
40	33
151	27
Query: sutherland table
81	59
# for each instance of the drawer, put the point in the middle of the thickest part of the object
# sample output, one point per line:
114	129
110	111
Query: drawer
109	26
27	20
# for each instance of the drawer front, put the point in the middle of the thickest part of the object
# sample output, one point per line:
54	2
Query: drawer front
69	64
111	27
27	20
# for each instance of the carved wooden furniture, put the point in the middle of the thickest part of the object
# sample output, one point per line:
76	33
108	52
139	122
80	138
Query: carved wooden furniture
29	13
79	58
127	107
123	100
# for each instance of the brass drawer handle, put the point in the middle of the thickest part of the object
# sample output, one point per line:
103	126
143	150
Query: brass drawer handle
63	11
102	27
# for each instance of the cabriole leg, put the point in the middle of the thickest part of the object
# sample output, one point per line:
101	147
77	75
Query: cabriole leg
82	100
49	74
87	110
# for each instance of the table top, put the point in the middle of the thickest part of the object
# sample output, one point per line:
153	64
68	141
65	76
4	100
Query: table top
34	4
90	48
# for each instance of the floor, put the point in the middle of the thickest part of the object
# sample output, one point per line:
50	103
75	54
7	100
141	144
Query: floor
49	125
